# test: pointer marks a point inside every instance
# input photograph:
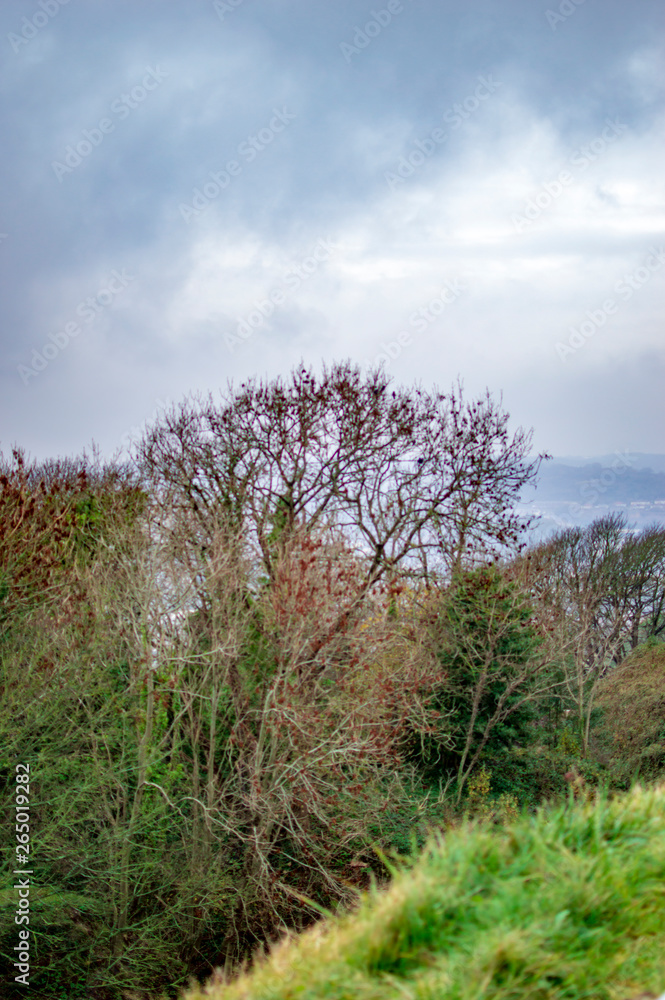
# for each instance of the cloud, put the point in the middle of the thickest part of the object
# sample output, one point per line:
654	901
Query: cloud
451	218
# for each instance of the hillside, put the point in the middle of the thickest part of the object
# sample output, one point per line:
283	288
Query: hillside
230	709
629	735
595	483
575	491
567	903
637	460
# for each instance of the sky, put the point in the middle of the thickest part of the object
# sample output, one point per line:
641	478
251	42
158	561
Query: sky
197	192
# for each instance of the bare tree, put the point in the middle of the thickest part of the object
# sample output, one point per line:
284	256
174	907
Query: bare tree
334	487
573	578
638	586
315	731
405	473
271	717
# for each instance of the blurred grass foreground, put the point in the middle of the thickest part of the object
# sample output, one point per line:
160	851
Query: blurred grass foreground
569	902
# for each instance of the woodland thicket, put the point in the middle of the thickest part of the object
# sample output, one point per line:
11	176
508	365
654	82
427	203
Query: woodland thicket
298	628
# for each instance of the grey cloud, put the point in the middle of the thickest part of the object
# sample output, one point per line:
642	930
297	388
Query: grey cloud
355	118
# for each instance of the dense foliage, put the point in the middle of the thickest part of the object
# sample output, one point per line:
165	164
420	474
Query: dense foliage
296	632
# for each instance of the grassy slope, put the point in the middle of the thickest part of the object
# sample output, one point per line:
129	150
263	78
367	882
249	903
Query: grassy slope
567	903
629	736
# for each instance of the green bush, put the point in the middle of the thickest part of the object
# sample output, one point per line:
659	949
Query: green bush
536	774
489	651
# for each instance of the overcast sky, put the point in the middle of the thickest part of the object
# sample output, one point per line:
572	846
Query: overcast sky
194	192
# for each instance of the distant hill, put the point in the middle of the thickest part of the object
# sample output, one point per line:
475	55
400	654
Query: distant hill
574	490
634	460
606	481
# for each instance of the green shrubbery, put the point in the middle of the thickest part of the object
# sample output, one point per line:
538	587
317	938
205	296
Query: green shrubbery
280	651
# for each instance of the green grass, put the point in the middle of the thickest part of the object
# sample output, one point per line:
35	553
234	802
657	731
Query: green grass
569	903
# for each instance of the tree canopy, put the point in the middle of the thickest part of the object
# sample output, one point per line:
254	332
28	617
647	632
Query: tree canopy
413	477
